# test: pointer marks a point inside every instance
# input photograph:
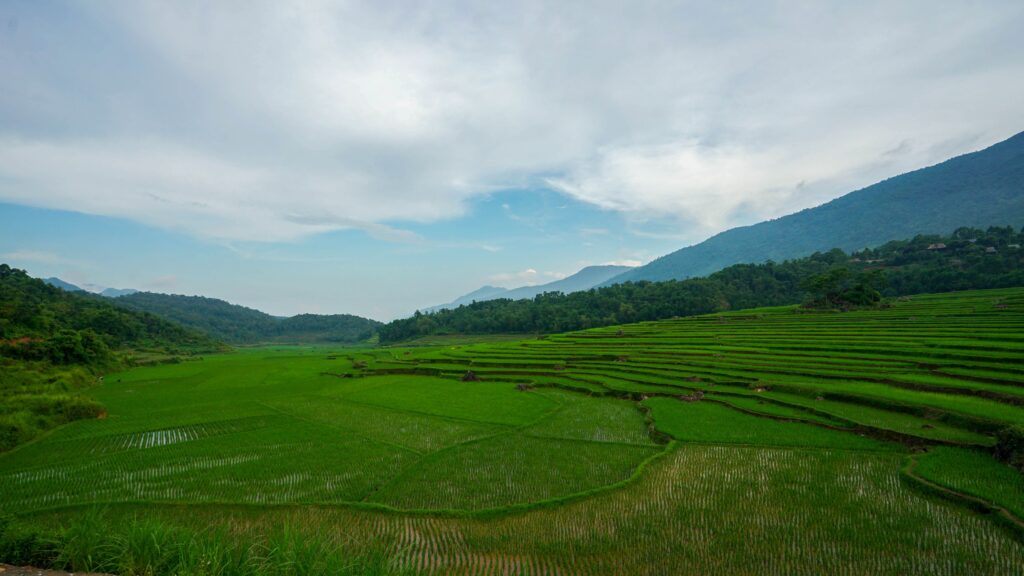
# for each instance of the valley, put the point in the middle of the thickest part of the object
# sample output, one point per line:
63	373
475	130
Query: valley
803	440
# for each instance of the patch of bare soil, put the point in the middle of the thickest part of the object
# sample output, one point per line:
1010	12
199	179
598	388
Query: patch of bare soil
6	570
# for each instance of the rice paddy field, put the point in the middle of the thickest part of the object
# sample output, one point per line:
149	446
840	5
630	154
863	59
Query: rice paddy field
770	441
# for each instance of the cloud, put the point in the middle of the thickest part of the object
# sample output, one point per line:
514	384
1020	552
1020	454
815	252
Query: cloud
630	263
161	283
35	256
526	277
272	122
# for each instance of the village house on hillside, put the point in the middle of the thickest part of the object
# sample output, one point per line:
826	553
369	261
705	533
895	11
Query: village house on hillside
937	246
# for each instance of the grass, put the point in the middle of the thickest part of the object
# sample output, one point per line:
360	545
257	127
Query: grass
511	469
710	422
556	460
136	545
701	509
974	473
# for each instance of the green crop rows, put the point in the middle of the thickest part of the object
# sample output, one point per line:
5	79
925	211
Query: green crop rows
776	434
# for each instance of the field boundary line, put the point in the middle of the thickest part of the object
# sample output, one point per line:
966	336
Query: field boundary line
340	429
429	414
481	514
426	457
1003	516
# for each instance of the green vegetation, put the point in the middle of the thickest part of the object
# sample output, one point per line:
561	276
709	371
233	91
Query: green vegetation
974	473
779	434
240	325
55	344
831	279
710	422
95	543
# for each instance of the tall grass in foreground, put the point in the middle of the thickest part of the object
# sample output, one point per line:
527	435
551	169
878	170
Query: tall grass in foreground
151	547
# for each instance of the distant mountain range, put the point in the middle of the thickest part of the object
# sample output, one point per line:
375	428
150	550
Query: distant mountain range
70	311
232	323
108	292
585	279
980	189
65	286
117	292
240	325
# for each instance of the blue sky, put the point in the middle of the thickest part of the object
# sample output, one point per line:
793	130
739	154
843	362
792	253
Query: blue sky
378	157
544	232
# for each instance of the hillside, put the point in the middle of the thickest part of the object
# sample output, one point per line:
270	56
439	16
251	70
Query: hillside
585	279
117	292
969	258
980	189
240	325
54	343
57	282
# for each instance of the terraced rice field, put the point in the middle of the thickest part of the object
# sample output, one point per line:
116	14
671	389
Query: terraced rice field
798	442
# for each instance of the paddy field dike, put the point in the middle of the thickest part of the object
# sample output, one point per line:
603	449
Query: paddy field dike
769	441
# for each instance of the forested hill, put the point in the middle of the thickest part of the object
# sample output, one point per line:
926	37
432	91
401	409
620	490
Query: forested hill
968	259
240	325
37	319
55	343
981	189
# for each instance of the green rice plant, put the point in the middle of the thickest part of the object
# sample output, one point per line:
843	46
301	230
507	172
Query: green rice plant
708	421
511	469
491	402
594	419
975	473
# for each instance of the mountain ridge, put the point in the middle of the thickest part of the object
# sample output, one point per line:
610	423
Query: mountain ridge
584	279
238	324
980	189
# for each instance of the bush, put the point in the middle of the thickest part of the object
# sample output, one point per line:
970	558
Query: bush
1010	447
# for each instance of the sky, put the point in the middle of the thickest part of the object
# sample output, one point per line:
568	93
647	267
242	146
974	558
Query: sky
379	157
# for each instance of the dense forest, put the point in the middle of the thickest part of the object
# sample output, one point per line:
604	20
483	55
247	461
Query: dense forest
980	189
54	343
240	325
969	258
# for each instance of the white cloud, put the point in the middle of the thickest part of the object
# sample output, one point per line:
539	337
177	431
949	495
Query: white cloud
526	277
271	121
36	256
164	283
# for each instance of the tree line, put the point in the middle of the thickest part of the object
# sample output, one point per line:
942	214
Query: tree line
969	258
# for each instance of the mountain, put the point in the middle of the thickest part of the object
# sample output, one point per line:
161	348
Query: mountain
981	189
240	325
108	292
66	286
117	292
967	259
585	279
37	314
478	295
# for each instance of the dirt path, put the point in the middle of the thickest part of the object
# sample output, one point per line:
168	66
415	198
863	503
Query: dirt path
6	570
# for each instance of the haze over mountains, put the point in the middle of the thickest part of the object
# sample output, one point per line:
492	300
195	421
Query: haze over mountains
979	189
585	279
108	292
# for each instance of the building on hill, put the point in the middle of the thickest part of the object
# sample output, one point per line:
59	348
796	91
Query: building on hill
990	250
937	246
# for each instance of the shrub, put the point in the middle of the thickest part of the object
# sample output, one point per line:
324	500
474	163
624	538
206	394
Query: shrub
1010	447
